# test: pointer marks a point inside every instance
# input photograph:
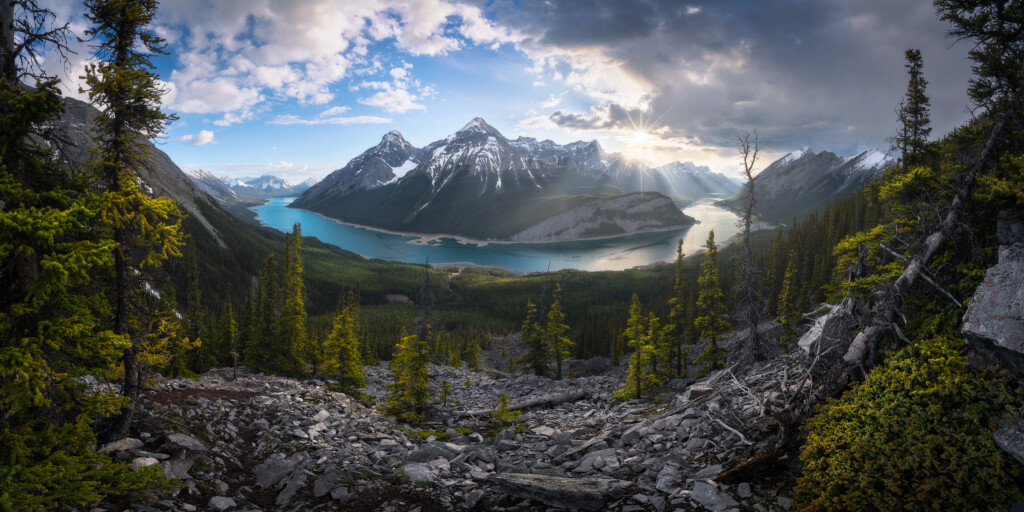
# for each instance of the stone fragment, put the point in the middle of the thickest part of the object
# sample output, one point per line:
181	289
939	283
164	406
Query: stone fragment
543	430
570	493
668	479
418	472
178	441
707	495
272	471
327	482
743	490
128	443
177	468
142	462
221	503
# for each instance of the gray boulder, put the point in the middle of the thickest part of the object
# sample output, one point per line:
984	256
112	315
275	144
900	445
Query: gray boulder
272	471
417	473
178	441
554	491
994	321
1009	437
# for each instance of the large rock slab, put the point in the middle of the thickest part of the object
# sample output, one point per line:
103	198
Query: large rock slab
1009	437
570	493
994	321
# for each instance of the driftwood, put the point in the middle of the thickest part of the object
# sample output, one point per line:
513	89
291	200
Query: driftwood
543	401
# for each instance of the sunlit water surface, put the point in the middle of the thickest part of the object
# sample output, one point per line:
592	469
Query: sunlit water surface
607	254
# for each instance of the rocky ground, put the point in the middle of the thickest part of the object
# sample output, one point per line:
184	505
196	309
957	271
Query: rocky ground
260	442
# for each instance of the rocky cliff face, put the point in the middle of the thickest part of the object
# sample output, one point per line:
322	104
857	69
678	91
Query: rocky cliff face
994	321
600	217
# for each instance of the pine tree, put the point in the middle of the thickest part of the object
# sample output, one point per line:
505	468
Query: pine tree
789	315
228	335
676	327
54	326
536	356
913	114
555	331
409	395
639	336
261	352
710	320
145	230
343	358
471	354
293	308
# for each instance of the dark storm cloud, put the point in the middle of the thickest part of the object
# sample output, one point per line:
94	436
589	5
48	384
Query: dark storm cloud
825	73
611	116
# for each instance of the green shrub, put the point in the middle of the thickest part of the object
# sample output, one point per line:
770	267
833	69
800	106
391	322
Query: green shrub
916	435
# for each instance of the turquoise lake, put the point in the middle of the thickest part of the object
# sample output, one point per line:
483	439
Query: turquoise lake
607	254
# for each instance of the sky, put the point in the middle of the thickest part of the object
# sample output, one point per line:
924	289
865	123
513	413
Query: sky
296	88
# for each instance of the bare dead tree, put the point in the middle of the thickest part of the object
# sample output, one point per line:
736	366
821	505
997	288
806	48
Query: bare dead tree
25	31
750	302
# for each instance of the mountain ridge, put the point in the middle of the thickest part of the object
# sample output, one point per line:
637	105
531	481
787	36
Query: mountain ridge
475	174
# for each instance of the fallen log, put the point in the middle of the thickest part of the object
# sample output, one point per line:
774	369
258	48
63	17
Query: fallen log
534	403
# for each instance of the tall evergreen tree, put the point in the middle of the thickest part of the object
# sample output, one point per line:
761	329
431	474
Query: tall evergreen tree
913	114
788	315
639	336
677	325
293	308
710	319
261	350
536	356
555	332
145	230
54	326
343	358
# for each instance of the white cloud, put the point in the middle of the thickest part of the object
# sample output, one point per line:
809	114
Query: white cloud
393	100
237	55
334	111
202	138
289	119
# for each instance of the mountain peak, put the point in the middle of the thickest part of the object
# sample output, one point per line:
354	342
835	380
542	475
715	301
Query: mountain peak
478	125
393	135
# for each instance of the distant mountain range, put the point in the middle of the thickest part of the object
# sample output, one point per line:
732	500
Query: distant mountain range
803	182
226	189
477	183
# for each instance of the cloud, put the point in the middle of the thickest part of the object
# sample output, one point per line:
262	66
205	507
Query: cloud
609	117
334	111
288	119
393	100
235	56
202	138
826	74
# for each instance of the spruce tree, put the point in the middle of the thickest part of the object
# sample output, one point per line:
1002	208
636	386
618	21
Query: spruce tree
293	308
913	115
408	394
555	331
54	323
676	326
471	354
536	356
343	358
710	319
145	230
789	315
639	337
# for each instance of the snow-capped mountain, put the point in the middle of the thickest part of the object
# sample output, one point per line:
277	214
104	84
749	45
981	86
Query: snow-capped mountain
477	182
265	186
212	185
804	182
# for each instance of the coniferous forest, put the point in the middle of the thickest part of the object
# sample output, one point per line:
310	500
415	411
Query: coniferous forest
845	360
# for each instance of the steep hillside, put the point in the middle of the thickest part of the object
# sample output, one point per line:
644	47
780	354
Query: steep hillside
803	182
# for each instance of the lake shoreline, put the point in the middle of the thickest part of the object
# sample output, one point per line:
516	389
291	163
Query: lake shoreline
607	253
427	238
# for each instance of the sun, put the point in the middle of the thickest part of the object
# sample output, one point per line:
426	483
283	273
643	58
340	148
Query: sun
641	138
